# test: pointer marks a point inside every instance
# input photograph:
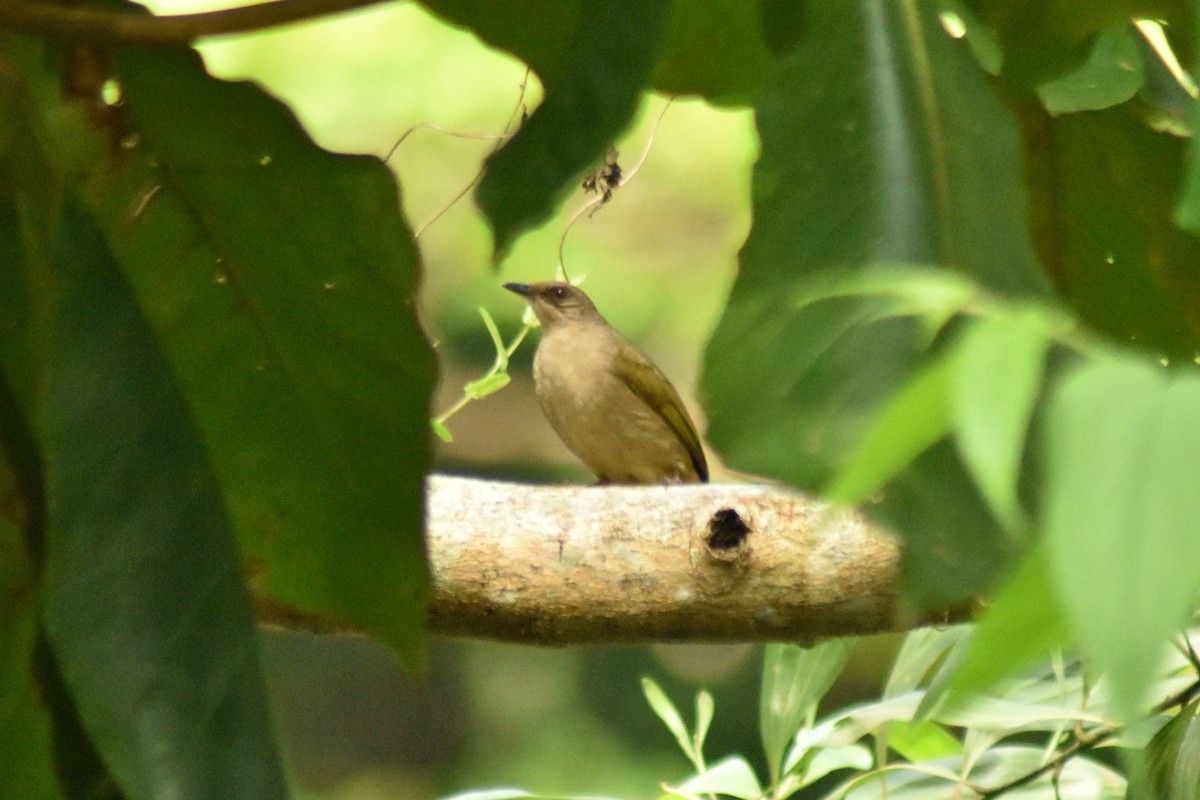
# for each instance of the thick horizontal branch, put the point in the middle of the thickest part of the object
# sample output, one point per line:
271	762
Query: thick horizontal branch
698	562
91	25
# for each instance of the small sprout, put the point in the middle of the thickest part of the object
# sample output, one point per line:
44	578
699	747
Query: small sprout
488	384
442	431
495	379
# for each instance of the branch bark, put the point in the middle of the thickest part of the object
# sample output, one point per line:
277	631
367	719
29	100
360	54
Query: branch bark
62	22
700	562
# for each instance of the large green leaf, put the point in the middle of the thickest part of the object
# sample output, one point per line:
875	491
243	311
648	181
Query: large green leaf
1102	185
594	61
715	48
998	377
26	769
882	144
143	598
1123	452
30	688
280	280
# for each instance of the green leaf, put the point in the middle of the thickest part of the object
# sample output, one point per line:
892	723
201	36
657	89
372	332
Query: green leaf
1123	452
1018	628
1173	756
784	24
914	419
1187	207
489	384
704	718
1111	75
26	766
922	741
731	72
883	143
1102	186
594	61
923	648
731	776
43	756
280	280
441	430
794	681
143	600
823	760
882	146
819	358
1043	41
997	379
665	710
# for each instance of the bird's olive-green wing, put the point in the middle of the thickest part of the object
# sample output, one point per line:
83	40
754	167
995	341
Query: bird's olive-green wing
648	382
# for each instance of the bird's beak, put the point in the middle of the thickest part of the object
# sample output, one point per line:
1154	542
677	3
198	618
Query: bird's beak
523	289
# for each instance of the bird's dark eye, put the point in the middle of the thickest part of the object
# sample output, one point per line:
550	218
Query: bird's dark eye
559	292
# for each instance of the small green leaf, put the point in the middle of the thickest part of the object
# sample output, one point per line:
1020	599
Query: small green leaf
916	418
1111	75
794	681
1123	453
704	718
441	430
922	649
825	760
922	741
997	379
939	685
731	776
666	711
489	384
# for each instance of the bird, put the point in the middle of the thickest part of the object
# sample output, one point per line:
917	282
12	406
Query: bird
608	403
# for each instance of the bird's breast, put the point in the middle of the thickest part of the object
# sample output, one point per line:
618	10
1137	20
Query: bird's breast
597	416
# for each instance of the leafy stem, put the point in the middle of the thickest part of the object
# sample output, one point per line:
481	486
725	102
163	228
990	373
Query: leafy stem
495	379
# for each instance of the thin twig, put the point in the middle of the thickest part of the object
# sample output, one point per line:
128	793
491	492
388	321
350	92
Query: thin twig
1082	743
433	126
60	22
517	117
595	202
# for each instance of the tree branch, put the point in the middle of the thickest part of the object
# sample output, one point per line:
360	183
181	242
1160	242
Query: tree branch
599	565
62	22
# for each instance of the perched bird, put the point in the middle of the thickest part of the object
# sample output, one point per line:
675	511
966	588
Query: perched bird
604	398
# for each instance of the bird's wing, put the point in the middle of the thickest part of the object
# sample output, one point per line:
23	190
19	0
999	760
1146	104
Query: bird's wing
648	382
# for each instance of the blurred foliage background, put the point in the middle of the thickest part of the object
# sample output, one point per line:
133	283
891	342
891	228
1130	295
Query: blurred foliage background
659	259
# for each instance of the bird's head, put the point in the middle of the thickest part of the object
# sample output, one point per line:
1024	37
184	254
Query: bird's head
556	303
